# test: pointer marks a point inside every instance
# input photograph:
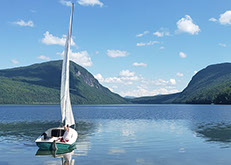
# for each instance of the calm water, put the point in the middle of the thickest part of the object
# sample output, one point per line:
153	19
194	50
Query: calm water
122	134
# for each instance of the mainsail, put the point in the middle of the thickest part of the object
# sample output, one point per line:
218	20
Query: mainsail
66	109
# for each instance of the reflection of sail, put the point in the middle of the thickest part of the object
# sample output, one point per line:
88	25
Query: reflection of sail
219	132
68	159
26	132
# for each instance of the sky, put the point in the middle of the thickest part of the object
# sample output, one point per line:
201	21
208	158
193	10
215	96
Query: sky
133	47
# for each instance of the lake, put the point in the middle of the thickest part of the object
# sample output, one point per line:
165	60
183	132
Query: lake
122	134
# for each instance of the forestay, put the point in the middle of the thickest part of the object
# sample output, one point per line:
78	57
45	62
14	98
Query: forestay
67	115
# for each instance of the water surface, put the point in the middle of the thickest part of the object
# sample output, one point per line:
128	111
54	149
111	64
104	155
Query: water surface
122	134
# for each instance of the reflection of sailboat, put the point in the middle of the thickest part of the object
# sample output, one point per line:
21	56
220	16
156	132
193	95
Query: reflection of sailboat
67	115
65	155
68	159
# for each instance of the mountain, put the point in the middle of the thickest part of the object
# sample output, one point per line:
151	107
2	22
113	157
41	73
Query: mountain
159	99
210	85
129	97
40	84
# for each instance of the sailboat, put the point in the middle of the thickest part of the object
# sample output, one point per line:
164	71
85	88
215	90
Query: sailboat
50	140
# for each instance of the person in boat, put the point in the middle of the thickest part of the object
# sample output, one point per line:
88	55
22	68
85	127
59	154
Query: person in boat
45	136
66	135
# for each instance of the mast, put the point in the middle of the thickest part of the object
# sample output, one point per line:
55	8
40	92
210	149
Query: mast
66	109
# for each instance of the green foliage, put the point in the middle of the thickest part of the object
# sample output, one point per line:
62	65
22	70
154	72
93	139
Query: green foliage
210	85
159	99
40	84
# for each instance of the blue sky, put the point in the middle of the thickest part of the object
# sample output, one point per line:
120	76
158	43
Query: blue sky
135	48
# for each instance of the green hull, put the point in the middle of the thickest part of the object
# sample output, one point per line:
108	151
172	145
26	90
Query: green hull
53	153
48	146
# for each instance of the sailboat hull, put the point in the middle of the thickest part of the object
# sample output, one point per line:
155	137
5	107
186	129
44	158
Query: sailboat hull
60	146
52	142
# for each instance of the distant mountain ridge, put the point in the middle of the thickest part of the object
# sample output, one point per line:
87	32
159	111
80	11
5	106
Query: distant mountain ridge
210	85
40	84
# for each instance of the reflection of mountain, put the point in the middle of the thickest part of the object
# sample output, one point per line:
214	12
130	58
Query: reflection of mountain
220	132
85	130
29	131
23	131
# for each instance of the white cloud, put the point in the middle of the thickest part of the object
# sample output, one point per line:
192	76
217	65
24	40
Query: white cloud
172	81
153	42
114	87
161	34
49	39
130	78
148	43
141	44
186	25
23	23
182	55
66	3
142	34
158	34
180	74
161	82
140	91
125	77
126	73
213	19
145	89
82	58
162	47
96	52
139	64
117	53
90	2
14	61
222	44
113	80
43	58
225	18
99	77
130	84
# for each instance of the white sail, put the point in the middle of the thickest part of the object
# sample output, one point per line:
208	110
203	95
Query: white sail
66	109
